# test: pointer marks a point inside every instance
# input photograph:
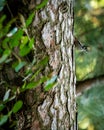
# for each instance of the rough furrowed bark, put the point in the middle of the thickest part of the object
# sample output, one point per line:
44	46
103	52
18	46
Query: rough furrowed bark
58	110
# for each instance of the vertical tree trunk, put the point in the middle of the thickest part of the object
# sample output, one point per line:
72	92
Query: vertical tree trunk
54	28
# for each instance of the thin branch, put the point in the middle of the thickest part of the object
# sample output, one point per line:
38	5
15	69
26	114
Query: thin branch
86	84
9	10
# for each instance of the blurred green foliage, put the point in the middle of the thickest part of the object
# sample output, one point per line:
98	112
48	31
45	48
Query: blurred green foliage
89	21
88	27
91	108
9	41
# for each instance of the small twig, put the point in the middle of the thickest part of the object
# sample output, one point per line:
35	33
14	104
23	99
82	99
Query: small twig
9	10
17	57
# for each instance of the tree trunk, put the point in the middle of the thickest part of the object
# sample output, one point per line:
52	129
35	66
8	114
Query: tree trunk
53	31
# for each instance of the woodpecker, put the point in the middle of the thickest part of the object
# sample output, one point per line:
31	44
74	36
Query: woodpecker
79	45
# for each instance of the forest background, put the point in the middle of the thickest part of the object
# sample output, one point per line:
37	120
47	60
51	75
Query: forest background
88	28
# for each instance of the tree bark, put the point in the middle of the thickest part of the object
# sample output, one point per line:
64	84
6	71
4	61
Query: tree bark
53	30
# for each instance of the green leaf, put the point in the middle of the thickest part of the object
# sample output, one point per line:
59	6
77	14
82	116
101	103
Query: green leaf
9	113
50	83
52	80
20	65
12	32
24	41
43	62
2	107
31	43
35	84
23	86
29	20
42	4
31	85
3	119
24	51
8	60
5	43
1	23
17	106
49	86
2	18
43	79
6	96
35	74
4	56
15	39
2	3
7	27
